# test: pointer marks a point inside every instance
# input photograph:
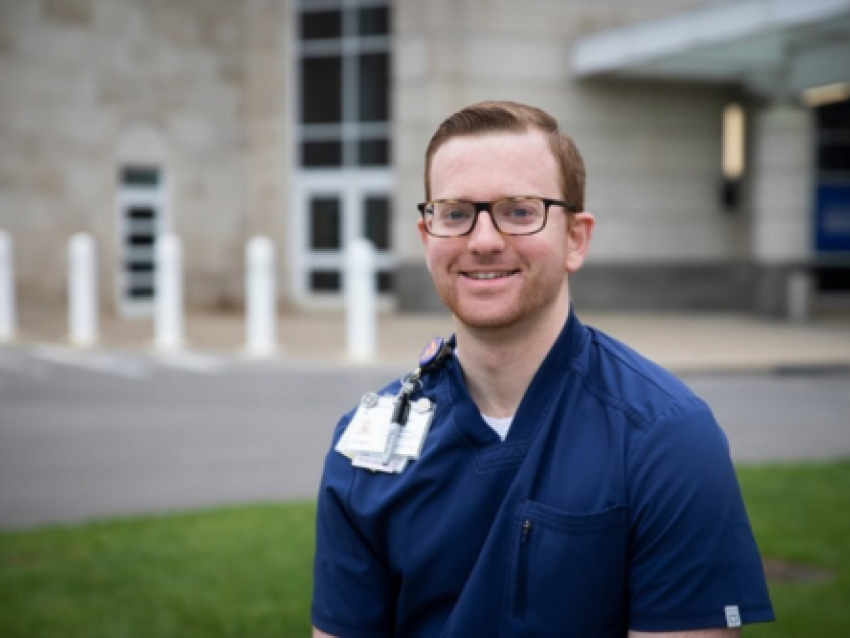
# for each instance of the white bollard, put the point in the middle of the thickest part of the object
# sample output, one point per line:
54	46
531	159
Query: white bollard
261	300
168	314
82	291
361	299
7	289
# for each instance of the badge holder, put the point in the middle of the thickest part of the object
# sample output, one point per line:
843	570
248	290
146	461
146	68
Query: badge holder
387	432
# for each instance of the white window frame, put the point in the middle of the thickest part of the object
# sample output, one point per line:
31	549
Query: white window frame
130	195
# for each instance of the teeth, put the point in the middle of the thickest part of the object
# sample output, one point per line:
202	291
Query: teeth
488	275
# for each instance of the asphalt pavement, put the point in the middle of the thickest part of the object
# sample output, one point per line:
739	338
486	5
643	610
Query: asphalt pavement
122	428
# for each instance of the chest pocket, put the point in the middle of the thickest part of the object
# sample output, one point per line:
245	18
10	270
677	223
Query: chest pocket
568	573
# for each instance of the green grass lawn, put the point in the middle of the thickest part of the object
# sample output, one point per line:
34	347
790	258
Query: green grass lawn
801	513
242	571
246	571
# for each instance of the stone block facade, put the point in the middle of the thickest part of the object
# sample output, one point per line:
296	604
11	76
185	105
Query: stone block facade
207	92
193	88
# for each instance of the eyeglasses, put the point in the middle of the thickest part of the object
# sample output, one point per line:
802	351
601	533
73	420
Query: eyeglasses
522	215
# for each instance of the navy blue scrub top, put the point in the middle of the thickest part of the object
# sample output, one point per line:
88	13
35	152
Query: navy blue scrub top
612	504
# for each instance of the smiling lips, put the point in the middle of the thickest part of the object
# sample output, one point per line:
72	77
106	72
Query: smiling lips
496	274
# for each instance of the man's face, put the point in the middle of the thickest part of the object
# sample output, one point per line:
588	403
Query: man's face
485	278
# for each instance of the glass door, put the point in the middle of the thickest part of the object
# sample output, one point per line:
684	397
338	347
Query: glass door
332	212
832	203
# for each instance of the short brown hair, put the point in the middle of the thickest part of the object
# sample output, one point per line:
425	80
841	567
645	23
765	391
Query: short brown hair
512	117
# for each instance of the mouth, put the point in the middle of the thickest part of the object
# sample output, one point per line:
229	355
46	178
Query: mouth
489	275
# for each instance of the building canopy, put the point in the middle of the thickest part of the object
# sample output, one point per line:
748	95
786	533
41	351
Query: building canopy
773	47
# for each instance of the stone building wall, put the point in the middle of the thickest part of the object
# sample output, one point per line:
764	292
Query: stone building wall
652	151
207	90
88	85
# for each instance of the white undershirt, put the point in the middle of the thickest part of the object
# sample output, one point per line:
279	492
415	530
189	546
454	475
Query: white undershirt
500	426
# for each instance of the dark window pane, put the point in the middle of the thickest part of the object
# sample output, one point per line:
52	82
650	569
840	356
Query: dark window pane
834	116
834	156
141	213
140	266
140	176
374	87
378	229
321	25
325	281
140	240
833	280
374	21
140	292
374	153
325	223
385	281
321	154
321	90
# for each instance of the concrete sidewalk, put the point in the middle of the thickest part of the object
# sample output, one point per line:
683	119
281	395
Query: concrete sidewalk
681	342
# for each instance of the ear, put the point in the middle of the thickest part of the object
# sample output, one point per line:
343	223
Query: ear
579	232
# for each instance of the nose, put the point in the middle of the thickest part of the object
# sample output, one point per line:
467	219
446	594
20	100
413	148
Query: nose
485	237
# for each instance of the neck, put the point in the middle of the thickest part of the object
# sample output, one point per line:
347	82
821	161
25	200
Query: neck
500	362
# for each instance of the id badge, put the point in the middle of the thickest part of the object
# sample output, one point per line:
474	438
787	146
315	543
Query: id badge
365	439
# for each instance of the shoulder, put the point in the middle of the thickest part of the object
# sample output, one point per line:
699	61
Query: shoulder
337	474
629	382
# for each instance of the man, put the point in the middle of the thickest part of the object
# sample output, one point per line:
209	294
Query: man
567	486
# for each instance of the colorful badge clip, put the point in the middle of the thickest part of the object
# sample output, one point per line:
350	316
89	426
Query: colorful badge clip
434	355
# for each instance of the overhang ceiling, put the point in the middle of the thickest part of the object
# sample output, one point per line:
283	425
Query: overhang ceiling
773	47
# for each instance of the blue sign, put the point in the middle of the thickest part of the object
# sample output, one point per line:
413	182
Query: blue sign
832	218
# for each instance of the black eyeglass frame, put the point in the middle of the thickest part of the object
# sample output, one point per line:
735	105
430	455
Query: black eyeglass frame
488	206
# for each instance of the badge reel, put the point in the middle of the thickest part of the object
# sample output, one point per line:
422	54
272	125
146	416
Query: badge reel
388	431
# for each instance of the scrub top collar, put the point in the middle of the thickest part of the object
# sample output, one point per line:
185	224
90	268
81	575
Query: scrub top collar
549	378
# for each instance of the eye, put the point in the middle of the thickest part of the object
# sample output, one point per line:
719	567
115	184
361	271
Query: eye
519	213
453	214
